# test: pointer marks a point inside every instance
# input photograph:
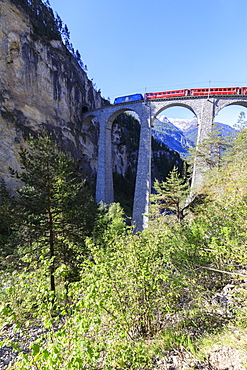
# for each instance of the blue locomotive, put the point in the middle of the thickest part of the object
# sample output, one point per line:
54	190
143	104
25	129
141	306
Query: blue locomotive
128	98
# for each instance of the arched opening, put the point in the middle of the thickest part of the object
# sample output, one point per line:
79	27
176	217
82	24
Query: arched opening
125	134
230	117
174	132
177	128
229	120
84	109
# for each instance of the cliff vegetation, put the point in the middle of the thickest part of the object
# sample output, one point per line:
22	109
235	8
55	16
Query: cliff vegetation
171	297
78	288
44	85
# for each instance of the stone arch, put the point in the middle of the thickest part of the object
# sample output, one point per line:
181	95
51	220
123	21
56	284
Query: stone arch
162	107
121	164
105	117
114	115
88	121
224	104
84	109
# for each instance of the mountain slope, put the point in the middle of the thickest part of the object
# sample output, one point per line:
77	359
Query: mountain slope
167	133
181	134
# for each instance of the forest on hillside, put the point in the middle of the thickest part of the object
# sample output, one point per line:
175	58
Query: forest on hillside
80	290
47	25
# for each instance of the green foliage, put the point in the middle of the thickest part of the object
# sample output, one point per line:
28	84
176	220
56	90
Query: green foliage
209	153
124	187
42	18
7	221
56	210
109	225
139	295
171	194
47	26
236	157
131	130
241	122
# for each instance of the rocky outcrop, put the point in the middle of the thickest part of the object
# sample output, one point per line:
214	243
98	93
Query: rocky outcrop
42	87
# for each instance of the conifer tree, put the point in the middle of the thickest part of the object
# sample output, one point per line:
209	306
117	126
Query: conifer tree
241	122
7	220
210	152
56	209
171	194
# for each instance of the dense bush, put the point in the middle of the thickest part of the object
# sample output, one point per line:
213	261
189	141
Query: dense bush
139	294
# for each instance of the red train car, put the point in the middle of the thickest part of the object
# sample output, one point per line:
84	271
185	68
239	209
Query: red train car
198	92
243	90
167	94
215	91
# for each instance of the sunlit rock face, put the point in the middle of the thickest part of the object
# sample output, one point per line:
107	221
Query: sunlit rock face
42	87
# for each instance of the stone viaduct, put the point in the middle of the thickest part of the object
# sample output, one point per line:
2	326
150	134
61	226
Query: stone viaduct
205	108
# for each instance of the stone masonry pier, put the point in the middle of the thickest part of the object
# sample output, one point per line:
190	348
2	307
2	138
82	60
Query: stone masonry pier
205	110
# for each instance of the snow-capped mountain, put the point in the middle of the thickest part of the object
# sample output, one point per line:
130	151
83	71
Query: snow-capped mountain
181	134
166	132
187	126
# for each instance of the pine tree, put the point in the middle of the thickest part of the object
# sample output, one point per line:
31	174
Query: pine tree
241	122
171	194
209	153
7	220
56	209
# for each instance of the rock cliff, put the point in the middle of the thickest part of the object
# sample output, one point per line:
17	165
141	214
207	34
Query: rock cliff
42	87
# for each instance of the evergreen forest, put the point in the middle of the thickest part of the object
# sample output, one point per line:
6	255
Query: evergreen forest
99	295
47	26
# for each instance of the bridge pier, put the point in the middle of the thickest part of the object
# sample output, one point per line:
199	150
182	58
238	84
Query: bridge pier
205	116
143	175
205	109
104	182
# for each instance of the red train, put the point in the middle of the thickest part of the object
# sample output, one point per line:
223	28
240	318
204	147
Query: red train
198	92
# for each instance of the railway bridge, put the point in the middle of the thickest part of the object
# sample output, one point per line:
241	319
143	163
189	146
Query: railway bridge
205	108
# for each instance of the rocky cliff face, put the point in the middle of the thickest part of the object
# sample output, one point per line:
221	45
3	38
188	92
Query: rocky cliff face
42	87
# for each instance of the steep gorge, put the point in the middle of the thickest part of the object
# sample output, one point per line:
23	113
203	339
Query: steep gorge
125	144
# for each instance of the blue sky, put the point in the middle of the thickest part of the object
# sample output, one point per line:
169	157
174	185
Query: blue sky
142	45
